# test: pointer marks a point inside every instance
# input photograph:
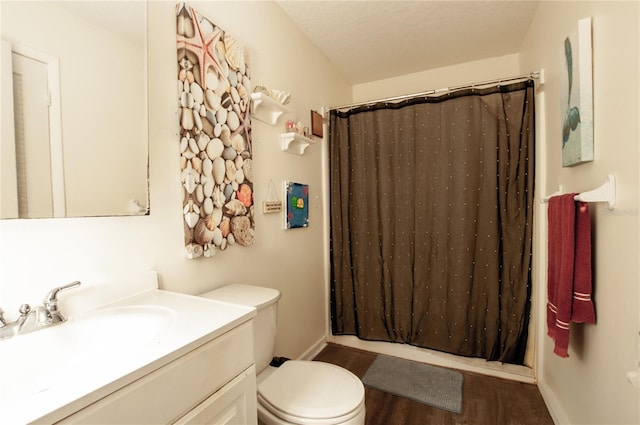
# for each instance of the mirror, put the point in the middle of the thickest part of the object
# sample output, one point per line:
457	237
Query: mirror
74	120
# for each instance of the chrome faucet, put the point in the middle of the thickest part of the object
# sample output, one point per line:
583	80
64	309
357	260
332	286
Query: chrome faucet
37	318
50	303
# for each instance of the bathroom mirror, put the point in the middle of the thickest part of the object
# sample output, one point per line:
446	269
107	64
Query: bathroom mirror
74	117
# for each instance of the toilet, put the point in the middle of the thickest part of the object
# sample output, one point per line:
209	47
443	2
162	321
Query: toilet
298	392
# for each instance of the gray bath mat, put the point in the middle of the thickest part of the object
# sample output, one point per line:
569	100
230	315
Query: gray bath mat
431	385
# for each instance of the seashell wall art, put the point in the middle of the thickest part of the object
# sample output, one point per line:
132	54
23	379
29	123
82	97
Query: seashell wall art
215	136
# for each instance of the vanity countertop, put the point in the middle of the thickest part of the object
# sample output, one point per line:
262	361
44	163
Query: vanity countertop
49	374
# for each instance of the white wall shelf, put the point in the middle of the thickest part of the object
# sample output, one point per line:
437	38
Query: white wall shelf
266	109
295	143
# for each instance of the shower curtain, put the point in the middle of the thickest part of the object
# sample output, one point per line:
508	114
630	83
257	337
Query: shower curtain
431	221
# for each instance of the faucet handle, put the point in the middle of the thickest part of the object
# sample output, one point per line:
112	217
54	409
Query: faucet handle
52	296
51	302
24	309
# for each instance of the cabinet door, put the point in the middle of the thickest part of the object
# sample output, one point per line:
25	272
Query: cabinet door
233	404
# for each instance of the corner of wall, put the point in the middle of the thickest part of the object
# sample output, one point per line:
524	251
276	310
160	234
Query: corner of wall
553	405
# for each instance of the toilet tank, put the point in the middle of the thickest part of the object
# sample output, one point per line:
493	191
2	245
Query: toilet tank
265	300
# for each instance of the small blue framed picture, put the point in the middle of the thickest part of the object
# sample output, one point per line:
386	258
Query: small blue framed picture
297	195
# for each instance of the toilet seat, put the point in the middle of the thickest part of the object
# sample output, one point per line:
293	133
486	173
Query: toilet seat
306	392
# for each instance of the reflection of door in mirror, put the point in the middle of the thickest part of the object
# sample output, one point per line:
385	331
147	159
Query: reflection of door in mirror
32	169
99	136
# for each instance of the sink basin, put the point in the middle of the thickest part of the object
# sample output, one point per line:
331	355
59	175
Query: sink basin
101	336
136	324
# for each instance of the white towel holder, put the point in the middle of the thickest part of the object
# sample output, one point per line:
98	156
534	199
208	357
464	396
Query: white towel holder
558	192
605	193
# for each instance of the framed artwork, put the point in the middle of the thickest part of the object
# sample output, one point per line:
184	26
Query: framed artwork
297	195
316	124
215	125
577	97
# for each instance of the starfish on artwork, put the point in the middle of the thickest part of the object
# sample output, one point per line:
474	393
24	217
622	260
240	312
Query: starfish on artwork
202	45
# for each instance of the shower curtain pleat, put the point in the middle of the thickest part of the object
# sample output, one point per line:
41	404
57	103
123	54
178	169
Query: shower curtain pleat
431	221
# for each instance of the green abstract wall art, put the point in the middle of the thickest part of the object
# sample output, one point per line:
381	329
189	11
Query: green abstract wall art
577	97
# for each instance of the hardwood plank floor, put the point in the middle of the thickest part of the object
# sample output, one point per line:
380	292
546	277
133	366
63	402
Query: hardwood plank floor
485	400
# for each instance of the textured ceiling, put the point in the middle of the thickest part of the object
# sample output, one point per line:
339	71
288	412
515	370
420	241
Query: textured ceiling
372	40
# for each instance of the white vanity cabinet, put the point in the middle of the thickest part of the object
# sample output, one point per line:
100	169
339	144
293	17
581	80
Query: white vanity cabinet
212	384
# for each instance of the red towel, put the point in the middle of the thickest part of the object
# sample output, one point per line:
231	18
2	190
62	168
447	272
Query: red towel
569	269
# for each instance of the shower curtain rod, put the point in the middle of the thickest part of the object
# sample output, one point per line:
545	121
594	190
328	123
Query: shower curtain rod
538	75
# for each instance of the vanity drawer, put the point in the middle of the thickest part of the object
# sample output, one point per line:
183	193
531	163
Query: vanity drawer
168	393
235	403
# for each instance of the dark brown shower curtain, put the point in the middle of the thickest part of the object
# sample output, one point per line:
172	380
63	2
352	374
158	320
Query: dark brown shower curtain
431	221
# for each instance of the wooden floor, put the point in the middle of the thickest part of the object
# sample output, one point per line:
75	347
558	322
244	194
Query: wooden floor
485	400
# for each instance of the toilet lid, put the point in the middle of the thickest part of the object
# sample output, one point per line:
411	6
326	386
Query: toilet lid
312	390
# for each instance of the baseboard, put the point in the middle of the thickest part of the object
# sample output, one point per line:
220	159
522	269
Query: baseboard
554	408
315	349
436	358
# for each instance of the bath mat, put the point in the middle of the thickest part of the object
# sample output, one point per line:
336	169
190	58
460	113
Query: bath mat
431	385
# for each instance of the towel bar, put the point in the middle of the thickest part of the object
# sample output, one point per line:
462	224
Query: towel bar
605	193
558	192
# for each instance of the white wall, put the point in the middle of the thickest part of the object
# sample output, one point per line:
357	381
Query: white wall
437	78
590	387
36	255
